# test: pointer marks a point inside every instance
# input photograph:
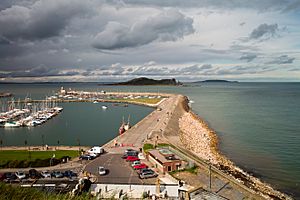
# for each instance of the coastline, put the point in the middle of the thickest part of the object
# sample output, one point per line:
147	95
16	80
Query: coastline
182	115
200	139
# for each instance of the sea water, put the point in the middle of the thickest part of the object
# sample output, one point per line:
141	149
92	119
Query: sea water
258	124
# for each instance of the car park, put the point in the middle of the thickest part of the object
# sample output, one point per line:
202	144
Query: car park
140	166
57	174
46	174
20	175
34	174
101	170
132	158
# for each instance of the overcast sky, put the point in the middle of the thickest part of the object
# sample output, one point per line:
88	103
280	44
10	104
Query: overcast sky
94	40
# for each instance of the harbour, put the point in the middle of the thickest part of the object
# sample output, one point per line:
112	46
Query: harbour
190	91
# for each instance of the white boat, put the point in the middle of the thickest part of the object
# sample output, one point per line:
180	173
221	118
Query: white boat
11	125
104	107
95	102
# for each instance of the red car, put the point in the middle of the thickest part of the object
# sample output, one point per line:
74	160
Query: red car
140	166
131	158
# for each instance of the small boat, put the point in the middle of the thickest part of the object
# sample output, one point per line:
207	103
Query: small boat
104	107
95	101
11	125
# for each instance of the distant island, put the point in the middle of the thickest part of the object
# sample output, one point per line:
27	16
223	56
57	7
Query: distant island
216	81
147	81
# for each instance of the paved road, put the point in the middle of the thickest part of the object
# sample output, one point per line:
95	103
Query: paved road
155	122
118	170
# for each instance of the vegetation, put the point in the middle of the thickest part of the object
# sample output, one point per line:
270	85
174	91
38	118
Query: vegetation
147	147
148	81
192	170
16	192
23	158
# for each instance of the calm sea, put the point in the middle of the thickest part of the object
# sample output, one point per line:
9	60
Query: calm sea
258	124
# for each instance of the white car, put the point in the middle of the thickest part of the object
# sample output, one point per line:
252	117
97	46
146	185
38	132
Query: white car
101	170
46	174
134	163
20	174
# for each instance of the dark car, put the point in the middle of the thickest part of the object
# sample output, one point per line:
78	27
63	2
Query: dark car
70	174
34	174
57	174
86	157
9	176
130	153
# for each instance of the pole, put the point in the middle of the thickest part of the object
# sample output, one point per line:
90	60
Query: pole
209	176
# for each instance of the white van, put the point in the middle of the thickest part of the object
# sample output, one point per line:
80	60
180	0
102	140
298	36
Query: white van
96	150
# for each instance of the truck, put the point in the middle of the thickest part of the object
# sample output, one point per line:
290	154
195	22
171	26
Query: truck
96	150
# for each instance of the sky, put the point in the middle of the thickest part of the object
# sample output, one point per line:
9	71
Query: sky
117	40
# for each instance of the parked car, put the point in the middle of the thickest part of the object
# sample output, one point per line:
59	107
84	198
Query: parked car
70	174
20	175
2	176
148	174
34	174
101	170
140	166
9	176
46	174
130	153
87	157
144	170
132	158
138	162
57	174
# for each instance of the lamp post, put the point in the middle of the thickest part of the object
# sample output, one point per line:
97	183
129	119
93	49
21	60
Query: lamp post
209	175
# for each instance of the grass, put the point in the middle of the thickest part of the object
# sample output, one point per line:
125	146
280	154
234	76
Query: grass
16	192
6	155
192	170
147	147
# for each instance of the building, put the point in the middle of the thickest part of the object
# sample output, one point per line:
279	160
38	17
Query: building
165	160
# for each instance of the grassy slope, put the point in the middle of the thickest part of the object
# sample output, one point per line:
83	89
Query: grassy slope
6	155
15	192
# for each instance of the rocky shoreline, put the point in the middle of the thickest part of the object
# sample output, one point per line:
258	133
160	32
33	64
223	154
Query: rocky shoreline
198	138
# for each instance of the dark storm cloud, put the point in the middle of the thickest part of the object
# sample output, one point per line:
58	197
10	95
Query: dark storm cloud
4	41
284	59
43	19
261	5
169	25
264	31
248	57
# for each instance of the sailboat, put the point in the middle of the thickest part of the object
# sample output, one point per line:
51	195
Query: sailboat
124	126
